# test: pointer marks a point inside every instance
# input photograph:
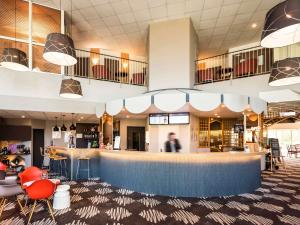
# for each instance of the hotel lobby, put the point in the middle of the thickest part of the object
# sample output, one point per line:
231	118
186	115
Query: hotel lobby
133	112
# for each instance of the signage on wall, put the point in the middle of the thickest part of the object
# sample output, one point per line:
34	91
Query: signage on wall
117	142
168	119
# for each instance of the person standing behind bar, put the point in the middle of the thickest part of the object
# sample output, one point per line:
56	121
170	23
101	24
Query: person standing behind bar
172	145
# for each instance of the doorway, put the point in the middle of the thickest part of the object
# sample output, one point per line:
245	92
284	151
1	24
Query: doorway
38	141
136	138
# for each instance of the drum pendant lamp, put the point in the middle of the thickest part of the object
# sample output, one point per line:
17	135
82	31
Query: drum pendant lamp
70	88
59	48
13	58
285	72
282	25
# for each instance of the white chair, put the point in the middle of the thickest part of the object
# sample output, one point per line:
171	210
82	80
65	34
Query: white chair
61	198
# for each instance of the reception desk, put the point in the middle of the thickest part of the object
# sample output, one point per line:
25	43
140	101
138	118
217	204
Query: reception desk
171	174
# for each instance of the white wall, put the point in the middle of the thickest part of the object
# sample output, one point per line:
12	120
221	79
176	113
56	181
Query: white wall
35	91
159	135
170	54
124	123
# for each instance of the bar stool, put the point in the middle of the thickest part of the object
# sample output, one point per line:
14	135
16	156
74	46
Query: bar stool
87	159
62	160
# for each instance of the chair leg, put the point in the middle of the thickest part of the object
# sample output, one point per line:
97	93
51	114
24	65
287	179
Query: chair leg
50	210
2	206
21	207
31	213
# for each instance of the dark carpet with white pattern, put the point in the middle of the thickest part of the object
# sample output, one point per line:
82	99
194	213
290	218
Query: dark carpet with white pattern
277	201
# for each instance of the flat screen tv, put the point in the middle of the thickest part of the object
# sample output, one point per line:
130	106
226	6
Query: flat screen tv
179	118
158	119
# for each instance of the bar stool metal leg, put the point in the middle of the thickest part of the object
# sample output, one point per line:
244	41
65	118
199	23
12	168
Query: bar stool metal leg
78	164
88	161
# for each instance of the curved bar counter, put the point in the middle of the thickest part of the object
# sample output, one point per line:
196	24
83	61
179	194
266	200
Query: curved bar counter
170	174
182	175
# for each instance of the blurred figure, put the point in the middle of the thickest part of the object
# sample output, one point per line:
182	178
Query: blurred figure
172	145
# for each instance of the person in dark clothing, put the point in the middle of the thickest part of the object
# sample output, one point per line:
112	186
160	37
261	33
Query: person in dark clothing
172	145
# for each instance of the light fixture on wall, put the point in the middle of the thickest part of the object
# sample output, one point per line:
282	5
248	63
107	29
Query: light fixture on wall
72	127
63	127
59	48
282	25
56	128
70	88
13	58
285	72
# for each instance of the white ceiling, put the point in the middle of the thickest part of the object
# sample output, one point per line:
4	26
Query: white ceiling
47	116
122	25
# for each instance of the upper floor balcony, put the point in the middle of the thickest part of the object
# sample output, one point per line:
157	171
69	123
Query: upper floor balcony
233	65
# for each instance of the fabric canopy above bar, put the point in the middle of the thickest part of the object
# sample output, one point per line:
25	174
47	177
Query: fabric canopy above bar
138	104
204	101
174	100
170	101
114	107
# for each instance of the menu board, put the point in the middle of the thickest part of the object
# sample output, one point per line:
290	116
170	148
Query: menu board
179	118
275	148
158	119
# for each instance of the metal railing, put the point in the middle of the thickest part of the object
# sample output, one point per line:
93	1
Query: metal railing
232	65
93	65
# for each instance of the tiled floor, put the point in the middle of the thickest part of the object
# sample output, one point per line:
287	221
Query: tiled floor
95	202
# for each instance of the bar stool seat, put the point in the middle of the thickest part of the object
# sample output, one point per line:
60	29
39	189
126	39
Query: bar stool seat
87	159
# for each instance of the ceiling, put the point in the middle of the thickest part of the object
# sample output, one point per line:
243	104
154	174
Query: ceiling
47	116
123	24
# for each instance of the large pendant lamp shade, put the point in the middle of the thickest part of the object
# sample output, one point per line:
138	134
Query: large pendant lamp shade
282	25
59	50
285	72
15	59
70	88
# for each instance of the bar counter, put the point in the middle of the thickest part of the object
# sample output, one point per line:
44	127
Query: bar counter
171	174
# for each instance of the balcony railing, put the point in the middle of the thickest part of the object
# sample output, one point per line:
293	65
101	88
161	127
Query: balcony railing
97	66
238	64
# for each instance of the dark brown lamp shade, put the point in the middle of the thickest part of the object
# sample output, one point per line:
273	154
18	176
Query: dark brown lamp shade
70	89
282	25
15	59
285	72
59	50
63	128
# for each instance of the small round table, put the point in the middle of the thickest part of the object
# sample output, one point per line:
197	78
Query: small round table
61	198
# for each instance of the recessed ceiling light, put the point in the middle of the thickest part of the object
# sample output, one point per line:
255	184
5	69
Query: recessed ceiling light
23	116
82	117
216	114
254	25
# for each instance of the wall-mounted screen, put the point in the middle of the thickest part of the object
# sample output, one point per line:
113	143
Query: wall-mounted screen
179	118
158	119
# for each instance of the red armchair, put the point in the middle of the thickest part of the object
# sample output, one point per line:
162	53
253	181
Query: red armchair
138	78
248	66
3	167
208	75
41	190
100	72
30	174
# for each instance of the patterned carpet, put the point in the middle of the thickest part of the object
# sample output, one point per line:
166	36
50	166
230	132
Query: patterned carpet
277	201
